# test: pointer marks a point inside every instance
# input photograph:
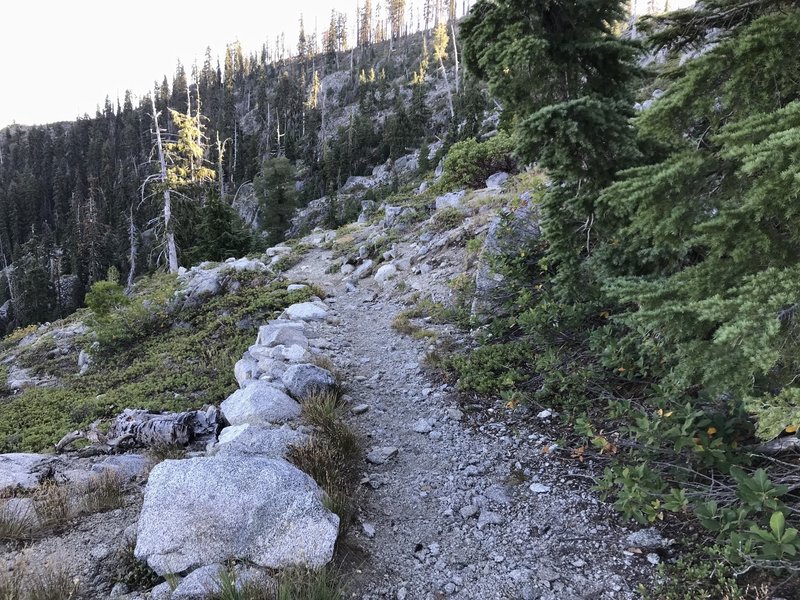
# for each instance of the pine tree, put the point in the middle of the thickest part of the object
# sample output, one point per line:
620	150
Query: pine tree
710	262
559	68
275	189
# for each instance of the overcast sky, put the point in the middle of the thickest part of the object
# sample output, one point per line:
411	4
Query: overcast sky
59	59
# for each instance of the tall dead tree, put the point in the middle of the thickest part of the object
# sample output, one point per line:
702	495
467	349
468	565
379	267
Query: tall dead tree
169	234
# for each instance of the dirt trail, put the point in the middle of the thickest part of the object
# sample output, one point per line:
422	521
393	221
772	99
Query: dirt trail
469	506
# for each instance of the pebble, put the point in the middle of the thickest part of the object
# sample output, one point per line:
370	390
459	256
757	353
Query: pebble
423	426
379	456
538	488
489	518
455	414
435	435
469	511
360	409
368	529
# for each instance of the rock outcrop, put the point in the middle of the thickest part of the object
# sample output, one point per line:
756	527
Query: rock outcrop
202	511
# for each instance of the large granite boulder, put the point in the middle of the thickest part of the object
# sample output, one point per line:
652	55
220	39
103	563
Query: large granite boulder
269	442
303	380
259	402
22	470
306	311
202	511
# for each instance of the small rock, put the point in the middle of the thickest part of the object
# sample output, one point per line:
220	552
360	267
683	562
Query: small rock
303	380
368	529
385	273
469	511
423	426
545	414
653	558
296	287
489	518
118	590
538	488
379	456
163	591
306	311
402	593
360	409
496	181
647	539
455	414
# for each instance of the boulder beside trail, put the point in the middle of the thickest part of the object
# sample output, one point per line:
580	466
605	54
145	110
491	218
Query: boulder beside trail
305	379
259	402
202	511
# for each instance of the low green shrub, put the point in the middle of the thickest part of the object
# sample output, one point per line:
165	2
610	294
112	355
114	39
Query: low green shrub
469	163
182	360
446	219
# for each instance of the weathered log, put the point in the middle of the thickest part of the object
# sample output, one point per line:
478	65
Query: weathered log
776	446
146	429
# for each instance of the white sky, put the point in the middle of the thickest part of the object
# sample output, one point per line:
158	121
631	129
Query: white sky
60	58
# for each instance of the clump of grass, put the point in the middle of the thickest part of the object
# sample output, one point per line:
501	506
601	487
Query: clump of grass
230	589
103	492
402	324
305	584
161	452
131	571
16	526
446	219
329	456
45	582
53	504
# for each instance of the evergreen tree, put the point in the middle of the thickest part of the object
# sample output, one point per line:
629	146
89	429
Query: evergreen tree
275	190
222	234
559	68
708	271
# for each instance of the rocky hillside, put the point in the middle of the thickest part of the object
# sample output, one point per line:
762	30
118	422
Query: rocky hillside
285	412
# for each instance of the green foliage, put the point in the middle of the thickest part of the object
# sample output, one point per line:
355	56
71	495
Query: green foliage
152	356
693	578
275	189
222	233
131	571
470	163
664	295
446	219
490	369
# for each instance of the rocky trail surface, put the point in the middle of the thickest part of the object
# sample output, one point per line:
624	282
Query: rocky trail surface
458	503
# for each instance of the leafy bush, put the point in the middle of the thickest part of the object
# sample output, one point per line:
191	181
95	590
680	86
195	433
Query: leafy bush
178	360
470	163
446	219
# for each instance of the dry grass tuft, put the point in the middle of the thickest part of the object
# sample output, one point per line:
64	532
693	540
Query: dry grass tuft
53	504
45	582
17	523
103	492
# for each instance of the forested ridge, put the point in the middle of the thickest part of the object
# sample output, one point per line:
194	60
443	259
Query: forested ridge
648	299
71	198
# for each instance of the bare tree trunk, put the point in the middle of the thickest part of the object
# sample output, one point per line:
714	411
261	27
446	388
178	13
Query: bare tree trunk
220	155
235	148
172	250
133	249
449	92
455	52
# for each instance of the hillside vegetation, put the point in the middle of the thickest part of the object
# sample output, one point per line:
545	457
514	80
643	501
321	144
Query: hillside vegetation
640	244
658	309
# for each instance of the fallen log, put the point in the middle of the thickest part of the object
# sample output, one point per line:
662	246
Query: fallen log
142	428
